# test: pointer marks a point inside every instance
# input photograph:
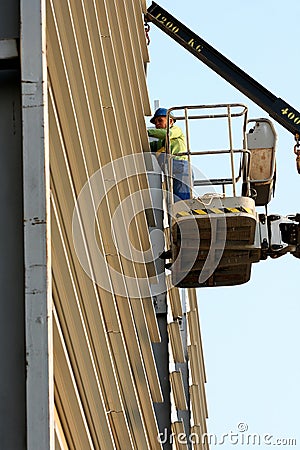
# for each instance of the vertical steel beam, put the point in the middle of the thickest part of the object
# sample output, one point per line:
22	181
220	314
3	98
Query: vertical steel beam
37	255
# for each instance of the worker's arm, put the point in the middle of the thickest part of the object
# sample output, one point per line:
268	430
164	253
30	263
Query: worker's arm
160	133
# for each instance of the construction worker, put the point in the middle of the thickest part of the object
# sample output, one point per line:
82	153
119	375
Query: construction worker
180	171
297	153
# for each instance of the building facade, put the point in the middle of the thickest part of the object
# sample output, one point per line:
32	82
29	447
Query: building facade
101	351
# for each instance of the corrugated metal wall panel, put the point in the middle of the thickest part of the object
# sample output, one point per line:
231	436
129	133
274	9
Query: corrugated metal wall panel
180	440
186	348
60	440
84	288
84	94
197	332
195	352
96	114
70	417
151	320
105	375
73	324
139	8
131	30
110	388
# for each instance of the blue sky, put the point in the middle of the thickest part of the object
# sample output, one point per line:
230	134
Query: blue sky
251	333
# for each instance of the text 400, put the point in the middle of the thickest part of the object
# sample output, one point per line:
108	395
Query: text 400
291	115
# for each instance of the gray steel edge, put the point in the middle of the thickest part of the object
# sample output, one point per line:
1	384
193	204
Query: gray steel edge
37	255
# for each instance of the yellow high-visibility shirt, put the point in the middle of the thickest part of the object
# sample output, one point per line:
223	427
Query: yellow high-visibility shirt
177	141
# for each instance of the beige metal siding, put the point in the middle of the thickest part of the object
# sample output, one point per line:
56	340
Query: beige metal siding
105	375
97	102
190	351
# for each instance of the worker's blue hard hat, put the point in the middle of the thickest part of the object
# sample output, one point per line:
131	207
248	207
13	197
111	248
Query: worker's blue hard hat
161	112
